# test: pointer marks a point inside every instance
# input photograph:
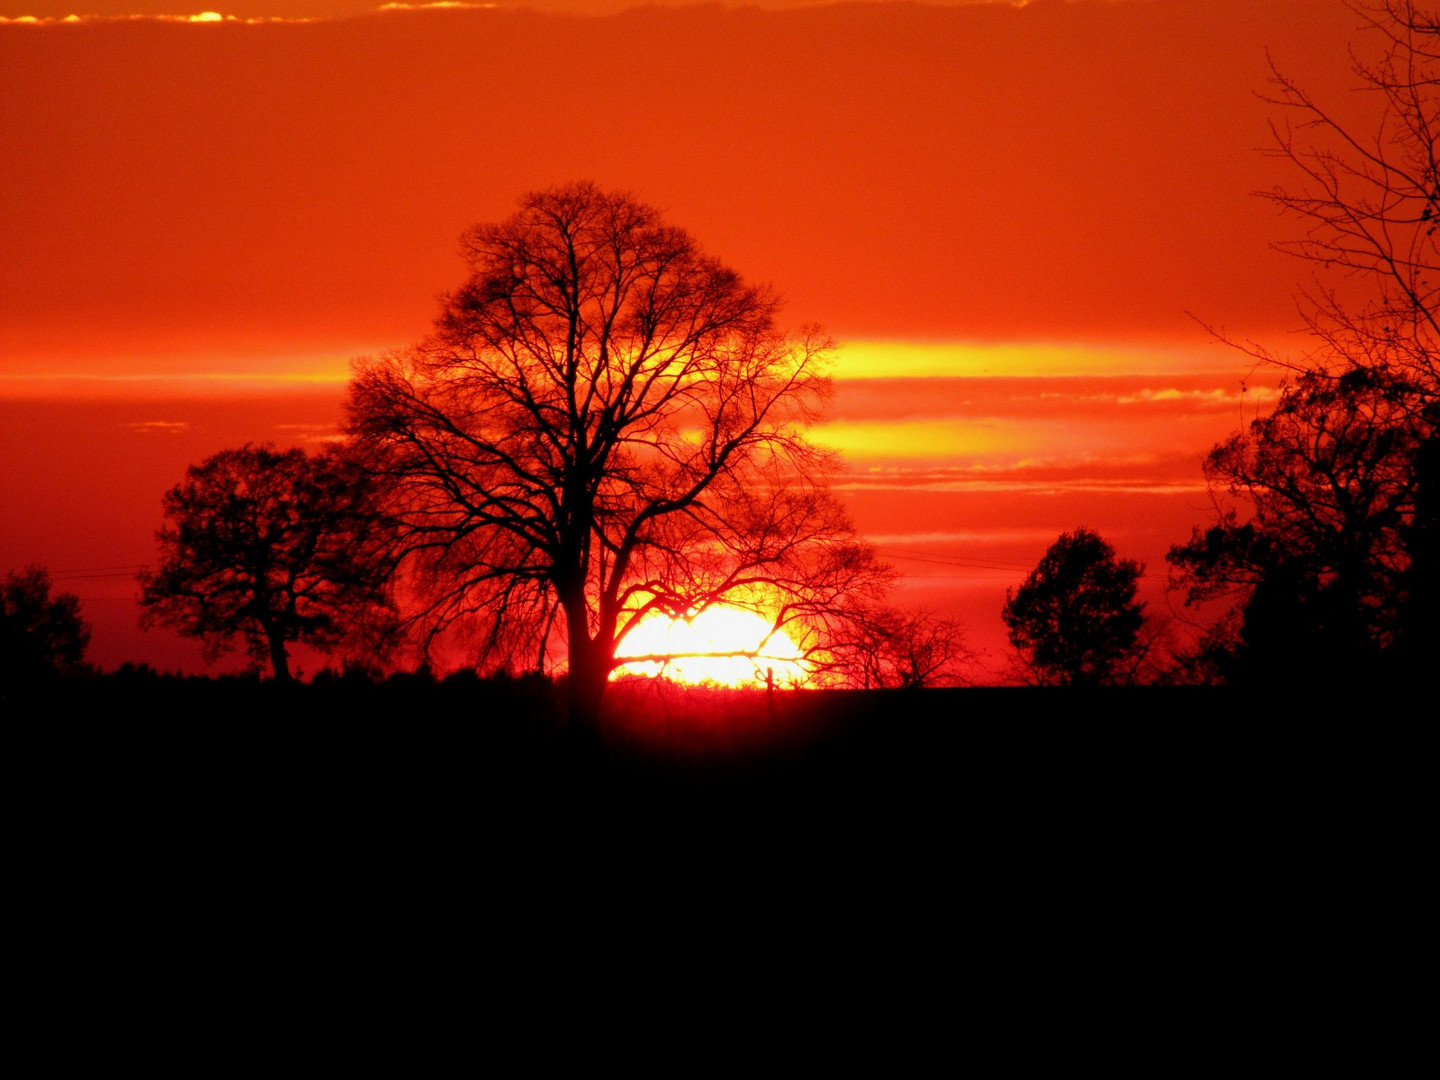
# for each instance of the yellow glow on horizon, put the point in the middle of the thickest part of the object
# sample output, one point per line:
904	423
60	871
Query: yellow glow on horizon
37	386
952	359
746	637
860	359
916	440
48	377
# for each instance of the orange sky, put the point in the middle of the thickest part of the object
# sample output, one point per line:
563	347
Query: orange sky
1012	215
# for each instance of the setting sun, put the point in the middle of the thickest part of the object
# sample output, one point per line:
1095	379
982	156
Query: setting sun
721	645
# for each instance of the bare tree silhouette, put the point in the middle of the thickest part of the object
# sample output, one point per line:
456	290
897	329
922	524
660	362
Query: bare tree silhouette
606	422
885	648
1368	198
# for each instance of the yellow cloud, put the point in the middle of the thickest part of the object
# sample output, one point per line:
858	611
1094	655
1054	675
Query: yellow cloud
916	439
928	360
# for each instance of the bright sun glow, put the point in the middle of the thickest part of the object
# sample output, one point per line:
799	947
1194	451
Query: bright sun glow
717	630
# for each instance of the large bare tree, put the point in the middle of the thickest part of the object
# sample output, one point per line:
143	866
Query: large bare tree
1367	193
605	423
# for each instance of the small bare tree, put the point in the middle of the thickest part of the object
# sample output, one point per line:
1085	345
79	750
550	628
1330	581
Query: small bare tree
886	648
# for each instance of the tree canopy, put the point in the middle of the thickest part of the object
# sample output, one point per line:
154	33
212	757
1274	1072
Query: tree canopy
1329	483
606	423
1075	616
272	547
42	635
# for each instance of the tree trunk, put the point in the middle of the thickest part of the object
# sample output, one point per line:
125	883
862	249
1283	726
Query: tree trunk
279	659
586	689
589	673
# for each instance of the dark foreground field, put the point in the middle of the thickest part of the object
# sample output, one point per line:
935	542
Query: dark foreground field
452	761
1197	865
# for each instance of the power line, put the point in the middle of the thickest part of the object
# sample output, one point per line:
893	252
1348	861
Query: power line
96	573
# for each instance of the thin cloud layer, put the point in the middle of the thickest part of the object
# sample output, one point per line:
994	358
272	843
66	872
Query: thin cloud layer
41	11
161	427
201	17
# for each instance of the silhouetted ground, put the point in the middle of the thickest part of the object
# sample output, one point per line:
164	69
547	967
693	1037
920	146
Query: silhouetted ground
463	758
1171	857
1134	874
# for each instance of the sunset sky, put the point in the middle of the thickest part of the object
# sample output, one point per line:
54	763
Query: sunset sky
1018	219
